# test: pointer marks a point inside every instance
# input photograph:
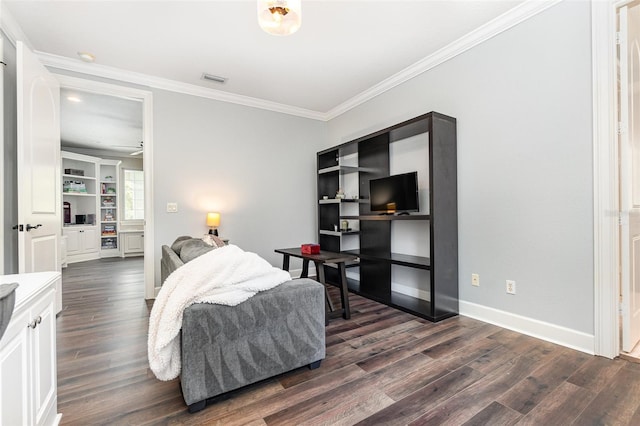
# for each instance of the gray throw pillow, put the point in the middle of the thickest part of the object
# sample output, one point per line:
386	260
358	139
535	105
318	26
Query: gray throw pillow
179	242
193	248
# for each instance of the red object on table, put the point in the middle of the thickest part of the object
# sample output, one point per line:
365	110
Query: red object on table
310	248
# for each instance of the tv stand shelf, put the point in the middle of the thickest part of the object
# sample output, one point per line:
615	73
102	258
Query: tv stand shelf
431	233
341	169
337	233
394	299
418	262
340	200
388	217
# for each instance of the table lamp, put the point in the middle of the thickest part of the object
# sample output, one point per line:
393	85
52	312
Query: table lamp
213	221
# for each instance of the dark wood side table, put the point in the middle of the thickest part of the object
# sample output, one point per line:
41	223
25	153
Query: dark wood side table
319	260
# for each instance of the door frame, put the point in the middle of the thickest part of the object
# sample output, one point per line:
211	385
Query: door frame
606	182
2	153
147	160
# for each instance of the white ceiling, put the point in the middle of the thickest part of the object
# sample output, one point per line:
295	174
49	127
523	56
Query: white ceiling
342	49
345	51
100	122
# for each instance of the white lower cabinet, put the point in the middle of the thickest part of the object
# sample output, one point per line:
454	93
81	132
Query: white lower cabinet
82	243
132	243
28	385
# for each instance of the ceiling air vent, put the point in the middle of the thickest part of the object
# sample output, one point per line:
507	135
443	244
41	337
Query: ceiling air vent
215	78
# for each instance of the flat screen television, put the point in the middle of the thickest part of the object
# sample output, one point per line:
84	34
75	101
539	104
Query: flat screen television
397	193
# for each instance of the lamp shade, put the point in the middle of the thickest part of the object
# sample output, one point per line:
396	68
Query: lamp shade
213	219
280	17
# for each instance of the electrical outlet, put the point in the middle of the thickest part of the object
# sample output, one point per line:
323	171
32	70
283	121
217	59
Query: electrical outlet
172	207
475	280
511	287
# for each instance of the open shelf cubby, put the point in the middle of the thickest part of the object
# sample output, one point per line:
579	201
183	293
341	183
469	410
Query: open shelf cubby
348	168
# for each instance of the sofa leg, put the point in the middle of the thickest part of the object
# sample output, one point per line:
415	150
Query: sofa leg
315	365
194	408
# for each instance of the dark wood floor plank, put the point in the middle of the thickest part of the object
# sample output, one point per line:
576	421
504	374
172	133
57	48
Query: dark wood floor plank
400	372
616	403
496	414
635	419
418	380
336	327
333	340
464	339
468	353
340	398
231	402
378	326
526	345
470	401
346	402
404	327
352	357
596	373
409	408
351	412
292	395
524	396
494	359
103	405
383	366
351	343
384	314
560	407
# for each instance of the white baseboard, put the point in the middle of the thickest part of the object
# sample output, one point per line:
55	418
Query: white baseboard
531	327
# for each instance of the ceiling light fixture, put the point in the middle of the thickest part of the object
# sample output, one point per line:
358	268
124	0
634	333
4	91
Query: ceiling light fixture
280	17
87	57
72	98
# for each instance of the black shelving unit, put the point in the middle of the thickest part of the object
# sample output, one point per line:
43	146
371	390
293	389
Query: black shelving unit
374	233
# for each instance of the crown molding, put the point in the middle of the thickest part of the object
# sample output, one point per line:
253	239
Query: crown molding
509	19
492	28
97	70
11	28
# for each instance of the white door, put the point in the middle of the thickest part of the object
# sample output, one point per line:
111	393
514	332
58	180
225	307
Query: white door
39	179
629	105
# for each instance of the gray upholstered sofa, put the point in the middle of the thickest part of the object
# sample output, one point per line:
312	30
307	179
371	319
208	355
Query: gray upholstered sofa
228	347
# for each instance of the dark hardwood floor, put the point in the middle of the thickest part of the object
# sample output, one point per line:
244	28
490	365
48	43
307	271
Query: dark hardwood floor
382	367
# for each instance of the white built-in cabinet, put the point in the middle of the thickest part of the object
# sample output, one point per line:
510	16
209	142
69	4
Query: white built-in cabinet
79	206
82	243
108	206
132	243
90	207
28	387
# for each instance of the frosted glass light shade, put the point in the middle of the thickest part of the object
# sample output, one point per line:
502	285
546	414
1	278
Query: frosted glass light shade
280	17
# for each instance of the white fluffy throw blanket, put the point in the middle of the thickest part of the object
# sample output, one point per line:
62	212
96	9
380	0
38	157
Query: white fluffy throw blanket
226	276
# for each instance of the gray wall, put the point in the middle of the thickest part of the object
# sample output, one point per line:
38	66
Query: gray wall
255	167
523	105
10	190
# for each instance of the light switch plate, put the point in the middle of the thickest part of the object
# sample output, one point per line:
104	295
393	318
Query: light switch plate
172	207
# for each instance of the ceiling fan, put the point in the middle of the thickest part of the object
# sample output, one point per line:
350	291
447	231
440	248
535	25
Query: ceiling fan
140	151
